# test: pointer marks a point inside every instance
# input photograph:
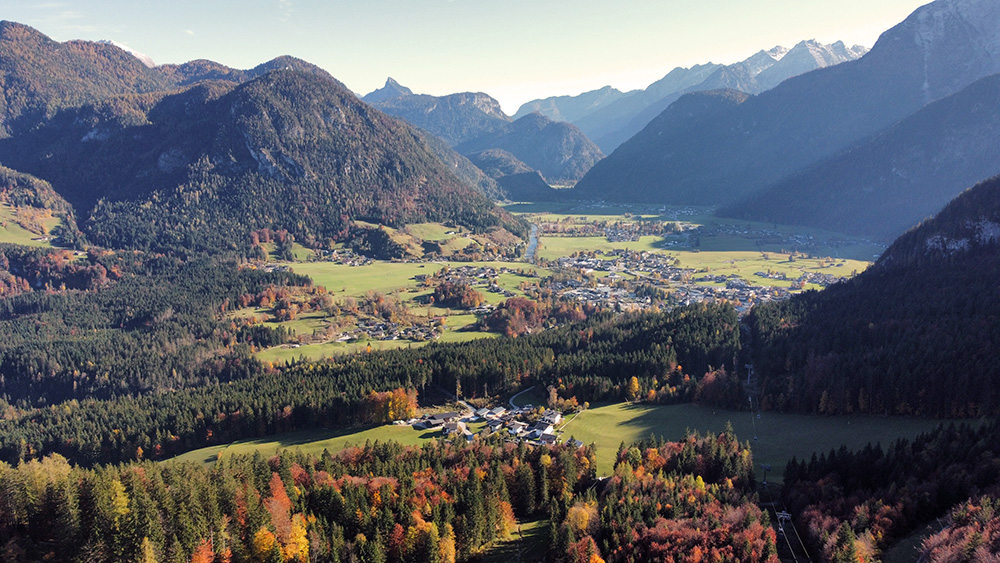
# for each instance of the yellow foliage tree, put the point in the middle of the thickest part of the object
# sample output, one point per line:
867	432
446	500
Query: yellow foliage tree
263	543
447	545
297	546
633	388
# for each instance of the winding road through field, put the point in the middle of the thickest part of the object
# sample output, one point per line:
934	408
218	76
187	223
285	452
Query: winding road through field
518	395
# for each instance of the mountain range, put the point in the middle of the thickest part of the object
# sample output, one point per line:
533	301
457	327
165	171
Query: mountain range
885	184
473	122
610	117
806	120
41	76
149	161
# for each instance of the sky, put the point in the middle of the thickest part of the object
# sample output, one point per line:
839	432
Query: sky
514	50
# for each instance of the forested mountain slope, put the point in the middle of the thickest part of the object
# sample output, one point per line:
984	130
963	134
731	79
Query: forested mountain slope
883	185
918	333
202	168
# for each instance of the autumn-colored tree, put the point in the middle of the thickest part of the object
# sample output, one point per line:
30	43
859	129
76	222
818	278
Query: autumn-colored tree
633	388
392	405
264	545
203	553
447	545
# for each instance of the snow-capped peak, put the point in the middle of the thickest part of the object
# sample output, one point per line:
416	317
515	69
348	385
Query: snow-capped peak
144	59
777	52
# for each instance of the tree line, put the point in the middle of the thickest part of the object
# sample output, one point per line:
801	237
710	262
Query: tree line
609	349
858	502
383	502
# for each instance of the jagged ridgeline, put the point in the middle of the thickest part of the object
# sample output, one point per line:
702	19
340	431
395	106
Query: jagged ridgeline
202	168
917	333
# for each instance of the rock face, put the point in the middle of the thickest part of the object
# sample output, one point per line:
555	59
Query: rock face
456	118
938	50
969	226
473	123
392	89
558	151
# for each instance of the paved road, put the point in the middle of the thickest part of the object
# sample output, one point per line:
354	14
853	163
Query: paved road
518	395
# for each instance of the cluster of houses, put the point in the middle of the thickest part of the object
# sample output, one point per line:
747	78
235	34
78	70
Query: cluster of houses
343	256
511	423
818	278
682	284
386	330
472	275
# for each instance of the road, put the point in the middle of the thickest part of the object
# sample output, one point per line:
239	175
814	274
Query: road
512	405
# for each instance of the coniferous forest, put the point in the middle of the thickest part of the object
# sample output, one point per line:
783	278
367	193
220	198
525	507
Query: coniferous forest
385	502
152	214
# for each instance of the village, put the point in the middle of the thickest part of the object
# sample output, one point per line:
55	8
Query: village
528	424
604	279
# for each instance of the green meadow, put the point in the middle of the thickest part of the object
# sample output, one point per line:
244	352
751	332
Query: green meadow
551	248
389	277
779	437
732	238
13	233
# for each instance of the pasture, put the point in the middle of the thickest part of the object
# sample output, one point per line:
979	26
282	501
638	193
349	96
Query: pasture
13	233
719	234
779	437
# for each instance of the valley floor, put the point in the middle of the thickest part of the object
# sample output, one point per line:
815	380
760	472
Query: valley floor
779	437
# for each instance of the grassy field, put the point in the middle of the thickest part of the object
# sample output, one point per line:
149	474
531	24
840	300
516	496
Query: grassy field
391	278
11	232
313	441
551	248
434	231
388	277
746	264
779	436
528	543
820	243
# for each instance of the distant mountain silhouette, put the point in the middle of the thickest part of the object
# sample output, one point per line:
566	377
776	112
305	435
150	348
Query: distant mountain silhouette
473	123
558	151
631	173
887	183
517	180
456	118
392	89
571	108
940	49
610	117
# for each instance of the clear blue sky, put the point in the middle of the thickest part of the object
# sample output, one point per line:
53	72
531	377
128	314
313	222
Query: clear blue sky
514	50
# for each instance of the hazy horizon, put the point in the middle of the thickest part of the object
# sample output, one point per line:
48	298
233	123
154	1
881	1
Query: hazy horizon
515	51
